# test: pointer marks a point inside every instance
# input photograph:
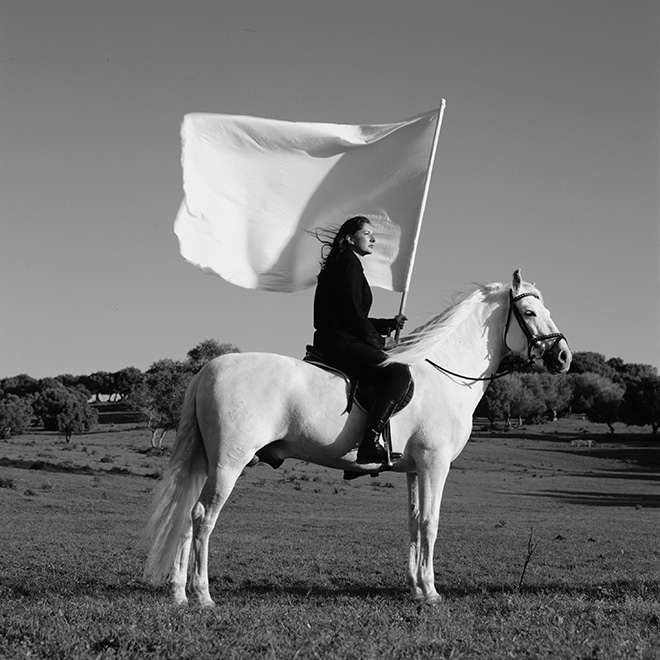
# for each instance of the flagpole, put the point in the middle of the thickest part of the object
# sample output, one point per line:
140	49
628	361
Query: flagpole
425	194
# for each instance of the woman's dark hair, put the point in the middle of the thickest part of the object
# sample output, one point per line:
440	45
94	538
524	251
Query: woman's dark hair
335	245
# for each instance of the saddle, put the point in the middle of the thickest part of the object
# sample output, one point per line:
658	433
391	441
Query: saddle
361	393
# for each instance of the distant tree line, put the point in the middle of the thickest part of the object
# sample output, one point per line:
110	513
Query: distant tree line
604	391
65	403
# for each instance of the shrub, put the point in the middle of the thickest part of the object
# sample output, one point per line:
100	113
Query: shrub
66	411
15	415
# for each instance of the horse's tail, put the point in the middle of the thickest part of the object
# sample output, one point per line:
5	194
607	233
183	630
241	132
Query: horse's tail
176	493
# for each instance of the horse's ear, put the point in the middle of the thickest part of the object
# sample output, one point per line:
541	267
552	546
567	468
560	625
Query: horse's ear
517	282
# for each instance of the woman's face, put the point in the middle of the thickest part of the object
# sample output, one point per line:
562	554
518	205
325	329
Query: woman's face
363	240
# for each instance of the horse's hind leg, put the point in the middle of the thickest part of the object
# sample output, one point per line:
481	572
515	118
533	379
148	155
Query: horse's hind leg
216	491
180	570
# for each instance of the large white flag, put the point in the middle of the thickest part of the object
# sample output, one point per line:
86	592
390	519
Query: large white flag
257	189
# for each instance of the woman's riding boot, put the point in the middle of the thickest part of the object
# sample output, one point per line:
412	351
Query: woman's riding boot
371	450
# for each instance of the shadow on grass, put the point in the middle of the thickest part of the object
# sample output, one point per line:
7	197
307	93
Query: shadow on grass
632	462
303	589
643	458
617	589
69	468
223	589
37	588
564	436
46	466
591	498
634	474
602	590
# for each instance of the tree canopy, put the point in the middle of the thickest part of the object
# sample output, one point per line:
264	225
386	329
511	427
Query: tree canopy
65	410
164	386
641	403
15	415
206	351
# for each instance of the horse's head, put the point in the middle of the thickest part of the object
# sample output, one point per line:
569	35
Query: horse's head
530	332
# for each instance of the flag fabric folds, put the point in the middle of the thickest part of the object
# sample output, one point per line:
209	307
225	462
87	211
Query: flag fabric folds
257	190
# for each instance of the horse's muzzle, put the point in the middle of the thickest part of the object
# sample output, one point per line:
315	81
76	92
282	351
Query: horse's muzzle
558	359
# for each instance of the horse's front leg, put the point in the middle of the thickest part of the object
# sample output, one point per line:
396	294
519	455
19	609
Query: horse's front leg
413	528
432	478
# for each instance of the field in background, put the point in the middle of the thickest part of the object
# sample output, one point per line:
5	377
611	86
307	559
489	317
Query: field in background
306	565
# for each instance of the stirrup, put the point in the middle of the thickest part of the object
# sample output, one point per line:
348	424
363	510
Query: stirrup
393	457
378	457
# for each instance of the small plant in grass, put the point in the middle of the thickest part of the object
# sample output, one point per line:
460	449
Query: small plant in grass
294	480
531	549
7	483
382	484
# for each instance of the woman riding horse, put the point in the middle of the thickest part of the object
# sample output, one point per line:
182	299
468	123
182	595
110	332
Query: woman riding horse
348	338
242	408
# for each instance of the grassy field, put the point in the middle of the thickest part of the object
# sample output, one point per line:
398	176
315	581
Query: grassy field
304	565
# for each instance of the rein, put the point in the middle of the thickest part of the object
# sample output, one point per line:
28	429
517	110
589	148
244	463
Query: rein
532	342
495	376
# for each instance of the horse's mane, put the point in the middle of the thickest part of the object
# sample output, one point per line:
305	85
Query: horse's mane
417	346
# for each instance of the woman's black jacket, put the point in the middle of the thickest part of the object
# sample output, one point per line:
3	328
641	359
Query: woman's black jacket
341	306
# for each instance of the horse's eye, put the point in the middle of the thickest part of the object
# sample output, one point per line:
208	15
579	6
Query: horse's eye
530	313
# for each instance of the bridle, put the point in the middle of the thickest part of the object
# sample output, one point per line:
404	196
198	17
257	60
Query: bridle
532	341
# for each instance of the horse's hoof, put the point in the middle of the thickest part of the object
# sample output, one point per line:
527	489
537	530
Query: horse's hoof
206	604
421	600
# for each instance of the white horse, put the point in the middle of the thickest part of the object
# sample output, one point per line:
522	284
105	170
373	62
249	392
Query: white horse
248	407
